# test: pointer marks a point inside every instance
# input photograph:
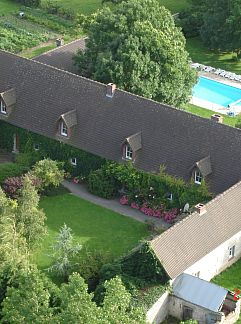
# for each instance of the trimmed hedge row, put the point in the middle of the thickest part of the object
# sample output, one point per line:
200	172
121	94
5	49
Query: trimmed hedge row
144	188
8	170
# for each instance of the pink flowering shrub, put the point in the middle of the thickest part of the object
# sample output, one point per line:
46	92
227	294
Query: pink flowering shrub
170	215
124	200
134	205
11	186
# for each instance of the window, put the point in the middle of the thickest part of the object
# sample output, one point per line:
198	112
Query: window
197	274
231	252
36	147
169	196
128	152
198	177
73	161
63	129
3	108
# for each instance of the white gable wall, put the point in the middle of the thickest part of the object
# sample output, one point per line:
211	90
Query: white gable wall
217	260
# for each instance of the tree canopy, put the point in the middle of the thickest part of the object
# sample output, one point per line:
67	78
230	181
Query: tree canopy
217	21
137	46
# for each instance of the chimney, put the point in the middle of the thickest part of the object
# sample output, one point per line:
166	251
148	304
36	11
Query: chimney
59	42
200	209
217	118
110	90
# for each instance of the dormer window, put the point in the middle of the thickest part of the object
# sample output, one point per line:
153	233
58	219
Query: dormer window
128	152
3	108
63	129
66	123
198	177
73	161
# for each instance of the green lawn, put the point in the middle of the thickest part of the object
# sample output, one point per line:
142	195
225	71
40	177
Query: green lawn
94	227
230	279
206	113
90	6
7	7
201	54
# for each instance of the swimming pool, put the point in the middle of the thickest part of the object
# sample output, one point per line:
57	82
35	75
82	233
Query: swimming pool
216	92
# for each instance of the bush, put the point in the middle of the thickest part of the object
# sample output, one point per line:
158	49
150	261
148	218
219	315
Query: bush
89	265
190	21
11	186
101	184
49	173
8	170
27	159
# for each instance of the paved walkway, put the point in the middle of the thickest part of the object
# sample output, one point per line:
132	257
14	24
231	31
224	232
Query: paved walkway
81	191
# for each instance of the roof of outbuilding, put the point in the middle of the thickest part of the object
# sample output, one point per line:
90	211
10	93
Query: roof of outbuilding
62	57
199	292
197	235
169	136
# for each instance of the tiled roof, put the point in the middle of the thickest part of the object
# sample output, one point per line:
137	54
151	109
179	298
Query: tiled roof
62	57
191	239
169	136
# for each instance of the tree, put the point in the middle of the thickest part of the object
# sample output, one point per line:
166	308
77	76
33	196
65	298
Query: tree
64	251
48	172
76	303
30	220
219	23
137	46
29	301
117	304
13	246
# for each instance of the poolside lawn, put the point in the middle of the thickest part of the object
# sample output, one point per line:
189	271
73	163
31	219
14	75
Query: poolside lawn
206	113
201	54
95	227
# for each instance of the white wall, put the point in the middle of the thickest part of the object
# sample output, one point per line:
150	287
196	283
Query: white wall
159	311
217	260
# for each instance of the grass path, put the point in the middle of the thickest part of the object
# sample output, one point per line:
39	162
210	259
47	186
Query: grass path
93	226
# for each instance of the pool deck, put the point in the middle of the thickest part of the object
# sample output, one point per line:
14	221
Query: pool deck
212	106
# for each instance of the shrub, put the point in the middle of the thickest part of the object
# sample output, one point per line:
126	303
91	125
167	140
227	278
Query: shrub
11	186
49	173
8	170
101	184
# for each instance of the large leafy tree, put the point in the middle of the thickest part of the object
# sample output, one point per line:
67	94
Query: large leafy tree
222	25
137	46
29	300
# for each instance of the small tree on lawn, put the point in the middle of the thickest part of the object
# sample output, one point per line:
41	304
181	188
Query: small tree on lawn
29	217
64	251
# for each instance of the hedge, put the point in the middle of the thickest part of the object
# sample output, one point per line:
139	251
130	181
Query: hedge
8	170
142	188
49	148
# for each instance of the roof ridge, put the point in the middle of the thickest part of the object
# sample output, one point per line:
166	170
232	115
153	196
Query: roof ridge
194	213
163	105
59	47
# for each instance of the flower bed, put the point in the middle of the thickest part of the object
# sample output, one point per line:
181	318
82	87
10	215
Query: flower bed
155	211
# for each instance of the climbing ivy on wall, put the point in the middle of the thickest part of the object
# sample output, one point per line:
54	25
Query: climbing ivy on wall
49	148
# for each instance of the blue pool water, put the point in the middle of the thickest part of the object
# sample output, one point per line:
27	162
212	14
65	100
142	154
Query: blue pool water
216	92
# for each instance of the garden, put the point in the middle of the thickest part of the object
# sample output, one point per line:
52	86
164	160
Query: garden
230	279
